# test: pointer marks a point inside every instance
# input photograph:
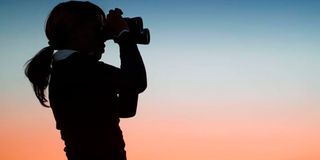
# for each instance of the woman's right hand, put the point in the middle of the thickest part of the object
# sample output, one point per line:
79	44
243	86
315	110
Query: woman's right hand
115	23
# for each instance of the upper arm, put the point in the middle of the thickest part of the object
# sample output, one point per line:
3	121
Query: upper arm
127	95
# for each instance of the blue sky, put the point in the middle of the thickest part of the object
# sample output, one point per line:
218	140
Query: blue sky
195	42
201	46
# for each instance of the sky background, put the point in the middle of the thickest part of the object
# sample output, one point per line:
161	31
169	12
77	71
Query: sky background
228	80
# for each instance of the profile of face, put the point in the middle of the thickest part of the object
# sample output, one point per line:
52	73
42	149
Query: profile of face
77	25
88	38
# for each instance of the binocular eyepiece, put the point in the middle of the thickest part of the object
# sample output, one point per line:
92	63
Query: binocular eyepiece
140	35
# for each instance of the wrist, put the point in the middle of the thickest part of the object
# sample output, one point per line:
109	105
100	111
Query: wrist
123	37
122	32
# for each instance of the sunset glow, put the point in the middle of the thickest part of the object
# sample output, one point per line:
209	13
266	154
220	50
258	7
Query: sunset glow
227	80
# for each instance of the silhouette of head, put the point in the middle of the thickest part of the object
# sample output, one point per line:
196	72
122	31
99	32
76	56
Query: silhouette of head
72	25
76	25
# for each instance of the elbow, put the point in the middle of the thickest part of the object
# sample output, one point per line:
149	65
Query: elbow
127	115
142	87
128	111
128	105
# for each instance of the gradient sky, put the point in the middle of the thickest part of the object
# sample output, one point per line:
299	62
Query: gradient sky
228	80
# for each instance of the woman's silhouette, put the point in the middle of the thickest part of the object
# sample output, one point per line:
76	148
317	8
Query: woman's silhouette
87	96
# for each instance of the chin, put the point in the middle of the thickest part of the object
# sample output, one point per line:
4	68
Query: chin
100	51
99	55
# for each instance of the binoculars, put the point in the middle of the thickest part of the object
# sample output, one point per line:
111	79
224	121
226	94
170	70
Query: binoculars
140	35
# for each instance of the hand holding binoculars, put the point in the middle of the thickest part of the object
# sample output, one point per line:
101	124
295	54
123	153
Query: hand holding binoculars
135	25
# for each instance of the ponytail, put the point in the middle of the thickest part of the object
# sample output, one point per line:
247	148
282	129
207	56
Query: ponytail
38	72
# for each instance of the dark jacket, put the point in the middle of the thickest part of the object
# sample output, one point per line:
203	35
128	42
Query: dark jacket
88	96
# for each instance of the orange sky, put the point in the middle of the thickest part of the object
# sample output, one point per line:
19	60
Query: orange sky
168	137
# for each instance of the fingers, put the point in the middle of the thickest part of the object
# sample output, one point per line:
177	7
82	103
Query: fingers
115	22
116	12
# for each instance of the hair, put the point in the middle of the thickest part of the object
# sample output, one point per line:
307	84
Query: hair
59	28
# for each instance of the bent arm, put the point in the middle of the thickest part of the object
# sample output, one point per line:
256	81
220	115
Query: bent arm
133	76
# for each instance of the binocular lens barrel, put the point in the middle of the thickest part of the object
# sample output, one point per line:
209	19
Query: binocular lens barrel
141	35
144	37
